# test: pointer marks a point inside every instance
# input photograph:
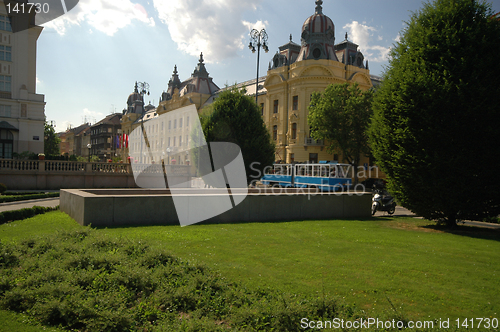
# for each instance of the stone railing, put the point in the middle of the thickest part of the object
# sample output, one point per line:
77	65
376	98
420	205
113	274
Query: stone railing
56	174
19	165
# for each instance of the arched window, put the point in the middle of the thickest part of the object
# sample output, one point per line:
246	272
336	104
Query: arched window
6	144
294	131
275	133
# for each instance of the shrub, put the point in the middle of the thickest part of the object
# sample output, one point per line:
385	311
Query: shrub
3	188
84	280
21	214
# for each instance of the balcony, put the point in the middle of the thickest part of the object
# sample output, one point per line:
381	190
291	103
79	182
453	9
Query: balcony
312	142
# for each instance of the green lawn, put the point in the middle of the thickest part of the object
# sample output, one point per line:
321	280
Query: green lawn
423	271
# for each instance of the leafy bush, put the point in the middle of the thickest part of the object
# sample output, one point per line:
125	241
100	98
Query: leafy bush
3	188
21	214
14	197
83	280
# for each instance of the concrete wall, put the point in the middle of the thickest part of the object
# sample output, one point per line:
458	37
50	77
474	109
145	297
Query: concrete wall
108	208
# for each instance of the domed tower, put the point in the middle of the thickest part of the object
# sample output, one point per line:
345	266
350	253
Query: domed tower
134	100
318	37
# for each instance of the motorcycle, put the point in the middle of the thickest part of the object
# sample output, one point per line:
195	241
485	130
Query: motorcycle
383	201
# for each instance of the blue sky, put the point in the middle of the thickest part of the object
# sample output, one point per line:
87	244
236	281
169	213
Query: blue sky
89	59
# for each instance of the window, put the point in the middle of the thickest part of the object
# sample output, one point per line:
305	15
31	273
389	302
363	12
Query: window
175	123
5	83
5	111
169	124
313	158
294	131
5	23
275	133
5	53
187	122
162	126
295	105
276	104
6	144
180	123
180	140
262	109
174	140
168	141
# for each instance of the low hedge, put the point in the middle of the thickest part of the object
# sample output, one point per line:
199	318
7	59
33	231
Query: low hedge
8	216
16	198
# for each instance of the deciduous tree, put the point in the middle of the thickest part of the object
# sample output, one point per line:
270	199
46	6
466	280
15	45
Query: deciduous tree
340	116
436	116
234	117
51	141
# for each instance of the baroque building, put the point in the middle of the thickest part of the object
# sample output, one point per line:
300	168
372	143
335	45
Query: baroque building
171	135
295	72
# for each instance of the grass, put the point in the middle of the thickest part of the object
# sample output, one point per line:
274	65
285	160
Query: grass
380	265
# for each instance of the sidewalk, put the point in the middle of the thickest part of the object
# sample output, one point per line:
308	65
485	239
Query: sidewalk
45	202
402	212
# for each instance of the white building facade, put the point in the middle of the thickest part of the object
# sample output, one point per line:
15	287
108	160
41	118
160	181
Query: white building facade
22	110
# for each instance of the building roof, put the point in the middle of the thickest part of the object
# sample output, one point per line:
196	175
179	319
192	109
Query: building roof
112	119
8	126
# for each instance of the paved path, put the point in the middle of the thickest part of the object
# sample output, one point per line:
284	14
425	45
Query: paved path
402	212
45	202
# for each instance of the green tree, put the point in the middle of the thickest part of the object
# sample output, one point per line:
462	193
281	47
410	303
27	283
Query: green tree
435	126
51	141
340	116
234	117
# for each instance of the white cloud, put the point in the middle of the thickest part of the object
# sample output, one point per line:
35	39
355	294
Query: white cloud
362	35
65	125
107	16
398	38
92	114
214	27
38	80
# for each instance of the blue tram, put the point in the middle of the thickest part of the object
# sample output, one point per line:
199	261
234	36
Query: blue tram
324	176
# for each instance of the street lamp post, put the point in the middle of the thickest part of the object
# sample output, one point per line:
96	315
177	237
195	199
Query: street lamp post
89	146
258	39
143	89
168	156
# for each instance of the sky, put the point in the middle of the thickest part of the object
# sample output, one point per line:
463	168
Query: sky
89	59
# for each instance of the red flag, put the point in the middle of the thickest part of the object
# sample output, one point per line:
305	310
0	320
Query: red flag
126	140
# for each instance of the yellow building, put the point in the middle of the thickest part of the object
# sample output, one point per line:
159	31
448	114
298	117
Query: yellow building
295	72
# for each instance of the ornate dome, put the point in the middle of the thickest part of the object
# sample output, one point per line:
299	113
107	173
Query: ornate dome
134	96
318	37
318	23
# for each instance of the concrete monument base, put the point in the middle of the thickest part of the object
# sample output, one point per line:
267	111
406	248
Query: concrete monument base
141	207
